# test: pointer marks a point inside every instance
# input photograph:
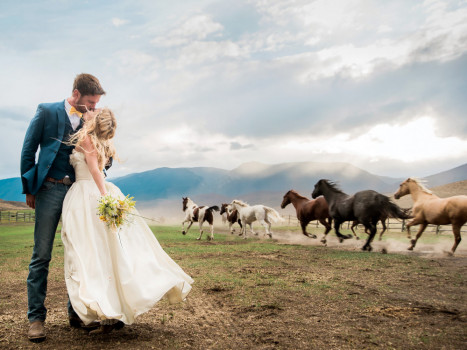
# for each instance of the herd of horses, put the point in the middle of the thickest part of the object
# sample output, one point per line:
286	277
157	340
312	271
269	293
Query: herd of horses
332	207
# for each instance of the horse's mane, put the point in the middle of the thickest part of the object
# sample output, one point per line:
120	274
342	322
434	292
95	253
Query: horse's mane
333	186
297	194
421	184
239	202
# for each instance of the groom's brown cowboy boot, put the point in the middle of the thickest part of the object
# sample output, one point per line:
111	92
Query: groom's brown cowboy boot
36	331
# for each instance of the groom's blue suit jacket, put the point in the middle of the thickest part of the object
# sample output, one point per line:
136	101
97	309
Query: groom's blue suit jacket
46	130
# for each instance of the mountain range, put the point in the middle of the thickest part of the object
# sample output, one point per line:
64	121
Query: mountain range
253	182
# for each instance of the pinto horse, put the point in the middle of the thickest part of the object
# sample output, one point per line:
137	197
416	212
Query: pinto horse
231	216
430	209
194	213
367	207
249	214
308	210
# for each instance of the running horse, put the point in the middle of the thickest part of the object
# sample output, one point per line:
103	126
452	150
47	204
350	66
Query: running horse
194	213
249	214
231	216
367	207
308	210
430	209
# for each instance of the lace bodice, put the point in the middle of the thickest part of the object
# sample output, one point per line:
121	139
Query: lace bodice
77	159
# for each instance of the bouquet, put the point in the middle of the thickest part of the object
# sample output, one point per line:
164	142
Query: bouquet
114	211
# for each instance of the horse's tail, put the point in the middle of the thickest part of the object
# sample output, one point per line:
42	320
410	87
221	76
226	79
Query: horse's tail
214	207
273	214
392	210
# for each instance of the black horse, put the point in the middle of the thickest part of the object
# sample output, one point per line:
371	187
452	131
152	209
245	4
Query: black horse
366	207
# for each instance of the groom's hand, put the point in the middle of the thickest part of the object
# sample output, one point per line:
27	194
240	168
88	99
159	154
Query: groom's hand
31	200
109	163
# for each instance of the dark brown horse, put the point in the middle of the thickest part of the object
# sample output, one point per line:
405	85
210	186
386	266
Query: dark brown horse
308	210
367	231
232	216
367	207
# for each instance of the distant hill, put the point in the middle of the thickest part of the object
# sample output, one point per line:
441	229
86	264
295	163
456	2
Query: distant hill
446	177
11	205
250	181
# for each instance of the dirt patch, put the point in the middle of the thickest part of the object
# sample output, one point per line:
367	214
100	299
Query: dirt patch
289	296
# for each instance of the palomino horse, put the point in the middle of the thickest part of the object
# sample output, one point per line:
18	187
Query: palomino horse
194	213
308	210
249	214
383	223
367	207
430	209
231	216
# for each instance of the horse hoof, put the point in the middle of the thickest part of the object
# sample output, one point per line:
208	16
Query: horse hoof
323	241
183	233
410	248
357	238
341	239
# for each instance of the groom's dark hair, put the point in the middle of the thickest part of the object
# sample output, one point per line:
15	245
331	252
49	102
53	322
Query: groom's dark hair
88	84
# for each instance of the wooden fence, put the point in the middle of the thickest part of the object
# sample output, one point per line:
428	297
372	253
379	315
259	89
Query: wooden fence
391	225
16	216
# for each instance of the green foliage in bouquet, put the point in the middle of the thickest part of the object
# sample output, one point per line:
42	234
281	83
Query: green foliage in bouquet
114	211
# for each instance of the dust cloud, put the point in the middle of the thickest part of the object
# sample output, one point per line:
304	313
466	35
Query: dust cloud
440	249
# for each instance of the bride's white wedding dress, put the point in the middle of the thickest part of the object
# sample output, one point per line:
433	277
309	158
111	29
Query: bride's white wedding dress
110	275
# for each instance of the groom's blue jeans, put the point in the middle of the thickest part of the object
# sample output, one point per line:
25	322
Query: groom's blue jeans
49	201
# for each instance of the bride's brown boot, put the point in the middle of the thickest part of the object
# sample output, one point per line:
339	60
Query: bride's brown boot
107	328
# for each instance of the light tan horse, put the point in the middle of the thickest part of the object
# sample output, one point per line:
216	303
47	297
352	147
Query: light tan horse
430	209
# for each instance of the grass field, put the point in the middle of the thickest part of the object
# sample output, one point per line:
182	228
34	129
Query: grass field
287	293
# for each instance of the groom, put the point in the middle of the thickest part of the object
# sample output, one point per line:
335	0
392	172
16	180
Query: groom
46	182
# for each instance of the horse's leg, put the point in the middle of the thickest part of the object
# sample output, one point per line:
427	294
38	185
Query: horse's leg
383	223
200	230
188	227
328	227
267	227
354	224
456	229
212	231
303	224
183	227
372	234
251	229
419	233
341	237
230	228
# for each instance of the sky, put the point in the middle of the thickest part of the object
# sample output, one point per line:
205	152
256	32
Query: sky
379	84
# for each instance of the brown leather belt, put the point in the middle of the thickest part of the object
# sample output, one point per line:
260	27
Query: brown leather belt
66	180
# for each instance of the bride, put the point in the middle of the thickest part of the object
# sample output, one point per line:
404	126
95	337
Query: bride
111	277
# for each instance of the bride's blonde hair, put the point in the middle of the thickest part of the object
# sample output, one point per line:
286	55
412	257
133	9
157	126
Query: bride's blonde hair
100	129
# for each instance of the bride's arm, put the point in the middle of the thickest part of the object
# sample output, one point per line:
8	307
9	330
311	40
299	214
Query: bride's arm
90	154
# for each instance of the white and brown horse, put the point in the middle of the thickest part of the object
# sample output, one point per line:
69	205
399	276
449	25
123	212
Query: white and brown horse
430	209
232	216
249	214
195	213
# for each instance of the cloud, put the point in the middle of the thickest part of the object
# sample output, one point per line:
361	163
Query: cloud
118	22
195	28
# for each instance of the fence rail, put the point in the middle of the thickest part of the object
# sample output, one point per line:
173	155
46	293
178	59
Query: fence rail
8	216
391	225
